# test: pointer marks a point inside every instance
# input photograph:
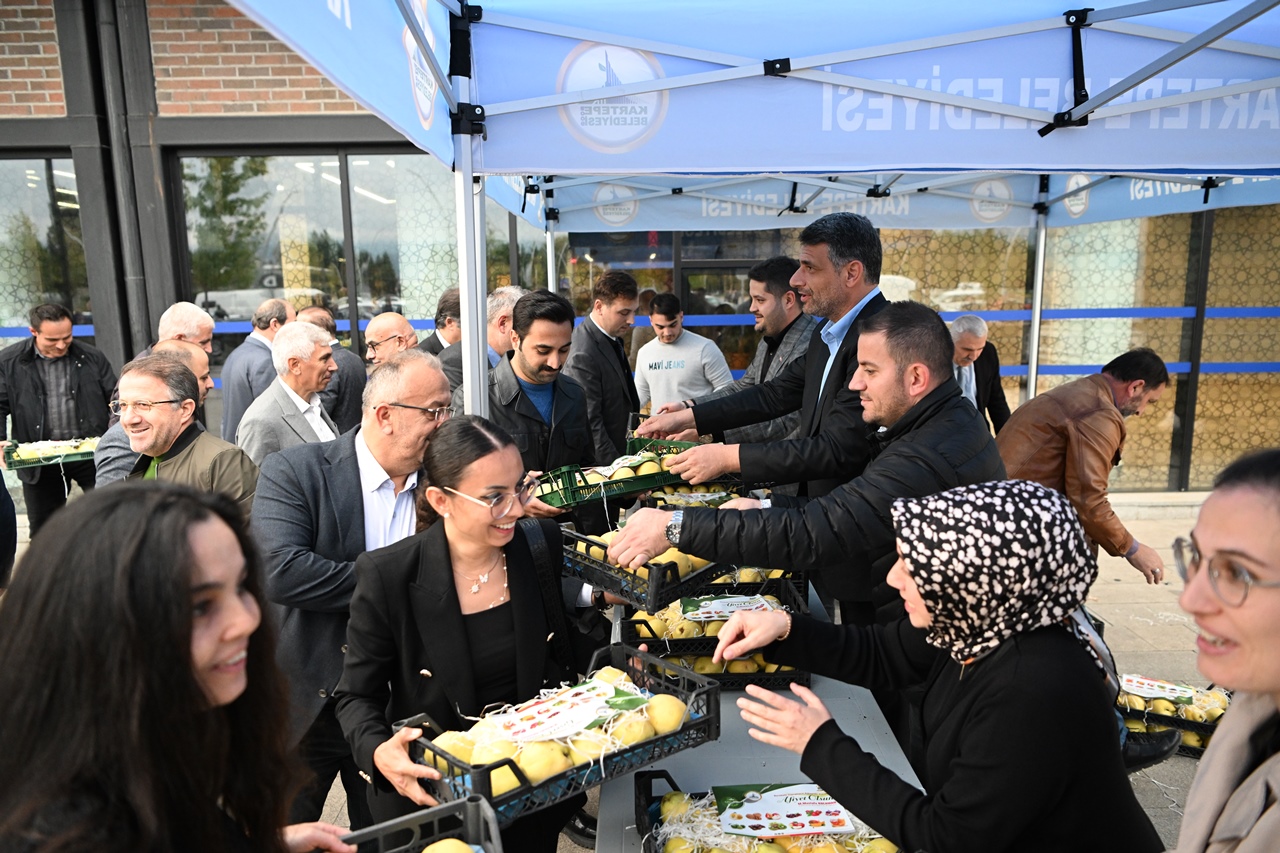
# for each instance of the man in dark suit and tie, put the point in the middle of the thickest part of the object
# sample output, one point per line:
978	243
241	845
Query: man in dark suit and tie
838	280
448	324
977	369
248	369
320	507
598	363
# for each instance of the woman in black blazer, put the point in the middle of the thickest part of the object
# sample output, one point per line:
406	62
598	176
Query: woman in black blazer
1020	745
450	621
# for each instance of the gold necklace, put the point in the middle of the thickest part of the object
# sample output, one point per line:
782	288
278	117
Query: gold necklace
483	577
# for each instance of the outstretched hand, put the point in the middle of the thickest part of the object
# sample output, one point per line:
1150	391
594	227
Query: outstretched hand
779	721
393	761
748	630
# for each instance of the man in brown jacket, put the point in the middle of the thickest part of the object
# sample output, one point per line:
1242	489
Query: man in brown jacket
157	404
1070	438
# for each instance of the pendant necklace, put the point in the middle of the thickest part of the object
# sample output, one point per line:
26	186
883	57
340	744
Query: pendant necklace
483	577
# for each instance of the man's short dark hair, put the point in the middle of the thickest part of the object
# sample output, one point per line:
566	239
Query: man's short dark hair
775	274
665	304
615	285
321	317
171	369
848	237
914	333
1141	363
449	307
272	309
540	305
48	313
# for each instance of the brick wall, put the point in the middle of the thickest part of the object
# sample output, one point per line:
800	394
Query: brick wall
30	76
211	60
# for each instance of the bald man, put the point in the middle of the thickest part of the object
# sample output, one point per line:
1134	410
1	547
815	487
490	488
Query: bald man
386	335
114	458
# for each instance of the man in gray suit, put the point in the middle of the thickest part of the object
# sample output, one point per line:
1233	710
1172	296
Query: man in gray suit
319	507
248	369
341	399
289	412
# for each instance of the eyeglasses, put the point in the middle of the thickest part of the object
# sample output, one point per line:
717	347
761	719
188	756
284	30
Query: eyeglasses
119	407
439	413
372	346
499	505
1230	581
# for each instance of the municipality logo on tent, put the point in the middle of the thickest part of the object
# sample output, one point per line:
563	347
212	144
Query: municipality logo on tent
615	204
617	124
992	203
421	82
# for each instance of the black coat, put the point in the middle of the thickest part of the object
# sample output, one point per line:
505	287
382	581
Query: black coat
830	446
942	442
22	394
987	387
432	344
611	391
996	776
407	650
543	447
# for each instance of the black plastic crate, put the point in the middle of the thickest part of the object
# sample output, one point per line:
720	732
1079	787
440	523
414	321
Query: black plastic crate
471	820
1172	722
662	586
699	693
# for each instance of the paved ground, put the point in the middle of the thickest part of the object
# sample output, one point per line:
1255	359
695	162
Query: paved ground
1145	629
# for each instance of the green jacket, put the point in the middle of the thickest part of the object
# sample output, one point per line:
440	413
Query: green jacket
209	464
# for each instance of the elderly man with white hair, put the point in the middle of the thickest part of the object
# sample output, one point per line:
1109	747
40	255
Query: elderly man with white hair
977	369
186	321
289	412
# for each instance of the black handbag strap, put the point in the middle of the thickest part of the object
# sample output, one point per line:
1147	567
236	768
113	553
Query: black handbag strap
547	564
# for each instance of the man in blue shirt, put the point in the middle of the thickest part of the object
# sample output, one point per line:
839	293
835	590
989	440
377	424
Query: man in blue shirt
544	410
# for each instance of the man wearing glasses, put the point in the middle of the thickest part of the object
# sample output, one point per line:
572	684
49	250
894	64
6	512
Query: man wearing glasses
157	406
319	507
386	335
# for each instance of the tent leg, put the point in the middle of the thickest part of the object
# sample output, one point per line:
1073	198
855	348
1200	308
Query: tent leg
1037	306
472	291
552	284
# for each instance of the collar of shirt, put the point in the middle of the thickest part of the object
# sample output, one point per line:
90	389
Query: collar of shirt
494	357
372	475
773	341
303	405
592	321
833	333
257	333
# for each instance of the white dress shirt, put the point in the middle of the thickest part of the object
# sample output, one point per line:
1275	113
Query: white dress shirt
388	517
968	385
311	411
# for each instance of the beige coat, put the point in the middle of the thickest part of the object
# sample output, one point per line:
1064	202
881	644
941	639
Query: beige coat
1227	814
1069	439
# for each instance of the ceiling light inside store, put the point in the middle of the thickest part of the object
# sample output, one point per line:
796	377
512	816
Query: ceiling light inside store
67	191
333	179
69	204
364	192
391	164
62	174
333	164
359	162
309	168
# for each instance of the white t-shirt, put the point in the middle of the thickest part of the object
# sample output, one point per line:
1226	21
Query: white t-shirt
691	367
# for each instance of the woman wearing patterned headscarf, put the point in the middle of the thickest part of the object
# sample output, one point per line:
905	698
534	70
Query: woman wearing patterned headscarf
1020	749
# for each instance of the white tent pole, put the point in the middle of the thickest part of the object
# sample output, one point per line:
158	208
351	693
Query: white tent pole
1037	300
552	284
482	238
1145	104
471	287
1162	34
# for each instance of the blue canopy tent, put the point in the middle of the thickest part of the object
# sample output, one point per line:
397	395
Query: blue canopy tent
1172	88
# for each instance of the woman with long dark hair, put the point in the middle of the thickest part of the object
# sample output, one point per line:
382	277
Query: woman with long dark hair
143	710
1231	567
991	576
453	619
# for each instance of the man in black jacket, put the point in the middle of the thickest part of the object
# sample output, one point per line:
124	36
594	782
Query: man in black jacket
977	368
598	363
544	410
932	439
838	280
56	388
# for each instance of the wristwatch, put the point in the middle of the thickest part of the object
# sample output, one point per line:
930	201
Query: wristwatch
673	528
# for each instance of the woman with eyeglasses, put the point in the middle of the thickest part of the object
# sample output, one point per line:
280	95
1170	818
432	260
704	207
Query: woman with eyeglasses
143	710
1231	568
452	620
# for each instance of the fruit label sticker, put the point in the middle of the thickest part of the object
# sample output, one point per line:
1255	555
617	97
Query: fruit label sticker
1154	688
769	810
567	712
713	608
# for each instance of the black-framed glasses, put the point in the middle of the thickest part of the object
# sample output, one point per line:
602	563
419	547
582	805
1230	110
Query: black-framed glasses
1230	580
439	413
501	504
372	346
119	407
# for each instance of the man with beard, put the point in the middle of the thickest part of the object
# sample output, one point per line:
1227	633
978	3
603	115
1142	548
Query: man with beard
1070	437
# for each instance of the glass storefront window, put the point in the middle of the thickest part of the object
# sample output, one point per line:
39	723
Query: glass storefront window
41	243
722	292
